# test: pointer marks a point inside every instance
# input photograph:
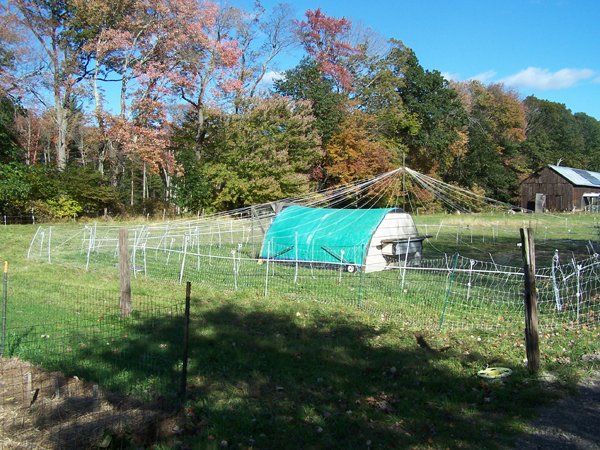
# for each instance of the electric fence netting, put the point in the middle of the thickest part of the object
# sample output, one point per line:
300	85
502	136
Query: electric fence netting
469	275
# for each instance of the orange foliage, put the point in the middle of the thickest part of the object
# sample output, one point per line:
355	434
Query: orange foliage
354	153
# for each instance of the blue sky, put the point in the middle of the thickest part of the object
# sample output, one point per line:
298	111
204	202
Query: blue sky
546	48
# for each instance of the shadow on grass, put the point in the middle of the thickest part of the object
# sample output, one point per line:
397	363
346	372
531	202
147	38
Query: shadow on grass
266	378
272	380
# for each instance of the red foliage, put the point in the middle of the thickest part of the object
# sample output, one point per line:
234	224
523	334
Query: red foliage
323	39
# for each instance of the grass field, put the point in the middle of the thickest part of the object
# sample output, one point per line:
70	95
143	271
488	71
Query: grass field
281	371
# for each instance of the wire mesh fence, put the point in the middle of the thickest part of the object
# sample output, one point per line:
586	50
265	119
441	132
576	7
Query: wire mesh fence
441	291
18	220
74	371
104	372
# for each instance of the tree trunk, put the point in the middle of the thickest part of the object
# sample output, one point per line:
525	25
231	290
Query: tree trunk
100	120
144	183
30	159
167	180
123	111
63	128
101	161
199	131
132	187
114	163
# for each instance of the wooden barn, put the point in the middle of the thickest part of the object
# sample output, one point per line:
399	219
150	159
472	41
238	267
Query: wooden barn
558	188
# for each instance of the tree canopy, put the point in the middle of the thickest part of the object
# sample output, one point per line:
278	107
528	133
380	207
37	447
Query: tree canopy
197	124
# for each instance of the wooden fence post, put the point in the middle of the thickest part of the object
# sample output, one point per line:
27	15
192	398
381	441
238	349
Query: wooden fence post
532	345
124	272
186	339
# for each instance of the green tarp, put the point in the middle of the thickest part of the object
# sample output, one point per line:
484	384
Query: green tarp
322	235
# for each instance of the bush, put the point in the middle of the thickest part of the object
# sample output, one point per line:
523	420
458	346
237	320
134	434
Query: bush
61	207
90	189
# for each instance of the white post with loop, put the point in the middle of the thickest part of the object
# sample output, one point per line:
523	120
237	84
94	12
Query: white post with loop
469	284
267	271
405	263
185	245
555	264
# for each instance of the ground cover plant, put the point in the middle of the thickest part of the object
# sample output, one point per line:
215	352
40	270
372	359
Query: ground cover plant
283	370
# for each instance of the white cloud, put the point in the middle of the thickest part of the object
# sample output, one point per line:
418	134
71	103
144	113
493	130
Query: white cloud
483	76
536	78
272	76
451	76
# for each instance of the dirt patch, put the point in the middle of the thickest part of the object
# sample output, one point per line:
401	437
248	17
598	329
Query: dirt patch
570	423
40	409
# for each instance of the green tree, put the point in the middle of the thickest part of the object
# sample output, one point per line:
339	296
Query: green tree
417	109
264	154
553	134
191	190
9	147
15	190
427	96
590	131
495	132
90	189
307	82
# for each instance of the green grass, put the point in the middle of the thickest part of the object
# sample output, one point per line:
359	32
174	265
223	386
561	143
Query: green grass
283	371
479	235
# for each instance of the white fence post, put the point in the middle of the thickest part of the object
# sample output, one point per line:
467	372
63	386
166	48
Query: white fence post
267	271
185	244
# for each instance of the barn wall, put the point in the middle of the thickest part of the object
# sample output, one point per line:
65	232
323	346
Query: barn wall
578	193
561	195
559	192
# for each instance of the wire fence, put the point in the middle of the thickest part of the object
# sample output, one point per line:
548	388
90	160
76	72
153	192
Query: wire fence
445	289
18	220
91	373
75	373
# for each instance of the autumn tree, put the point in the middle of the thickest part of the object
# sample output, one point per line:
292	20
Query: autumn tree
265	153
100	25
262	36
49	25
356	151
205	59
325	40
496	130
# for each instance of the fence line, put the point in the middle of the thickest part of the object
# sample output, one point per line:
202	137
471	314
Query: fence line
198	251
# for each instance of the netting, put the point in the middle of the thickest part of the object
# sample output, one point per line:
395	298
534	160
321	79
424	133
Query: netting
469	274
447	290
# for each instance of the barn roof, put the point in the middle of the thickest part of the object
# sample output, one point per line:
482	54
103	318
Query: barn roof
320	234
578	177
